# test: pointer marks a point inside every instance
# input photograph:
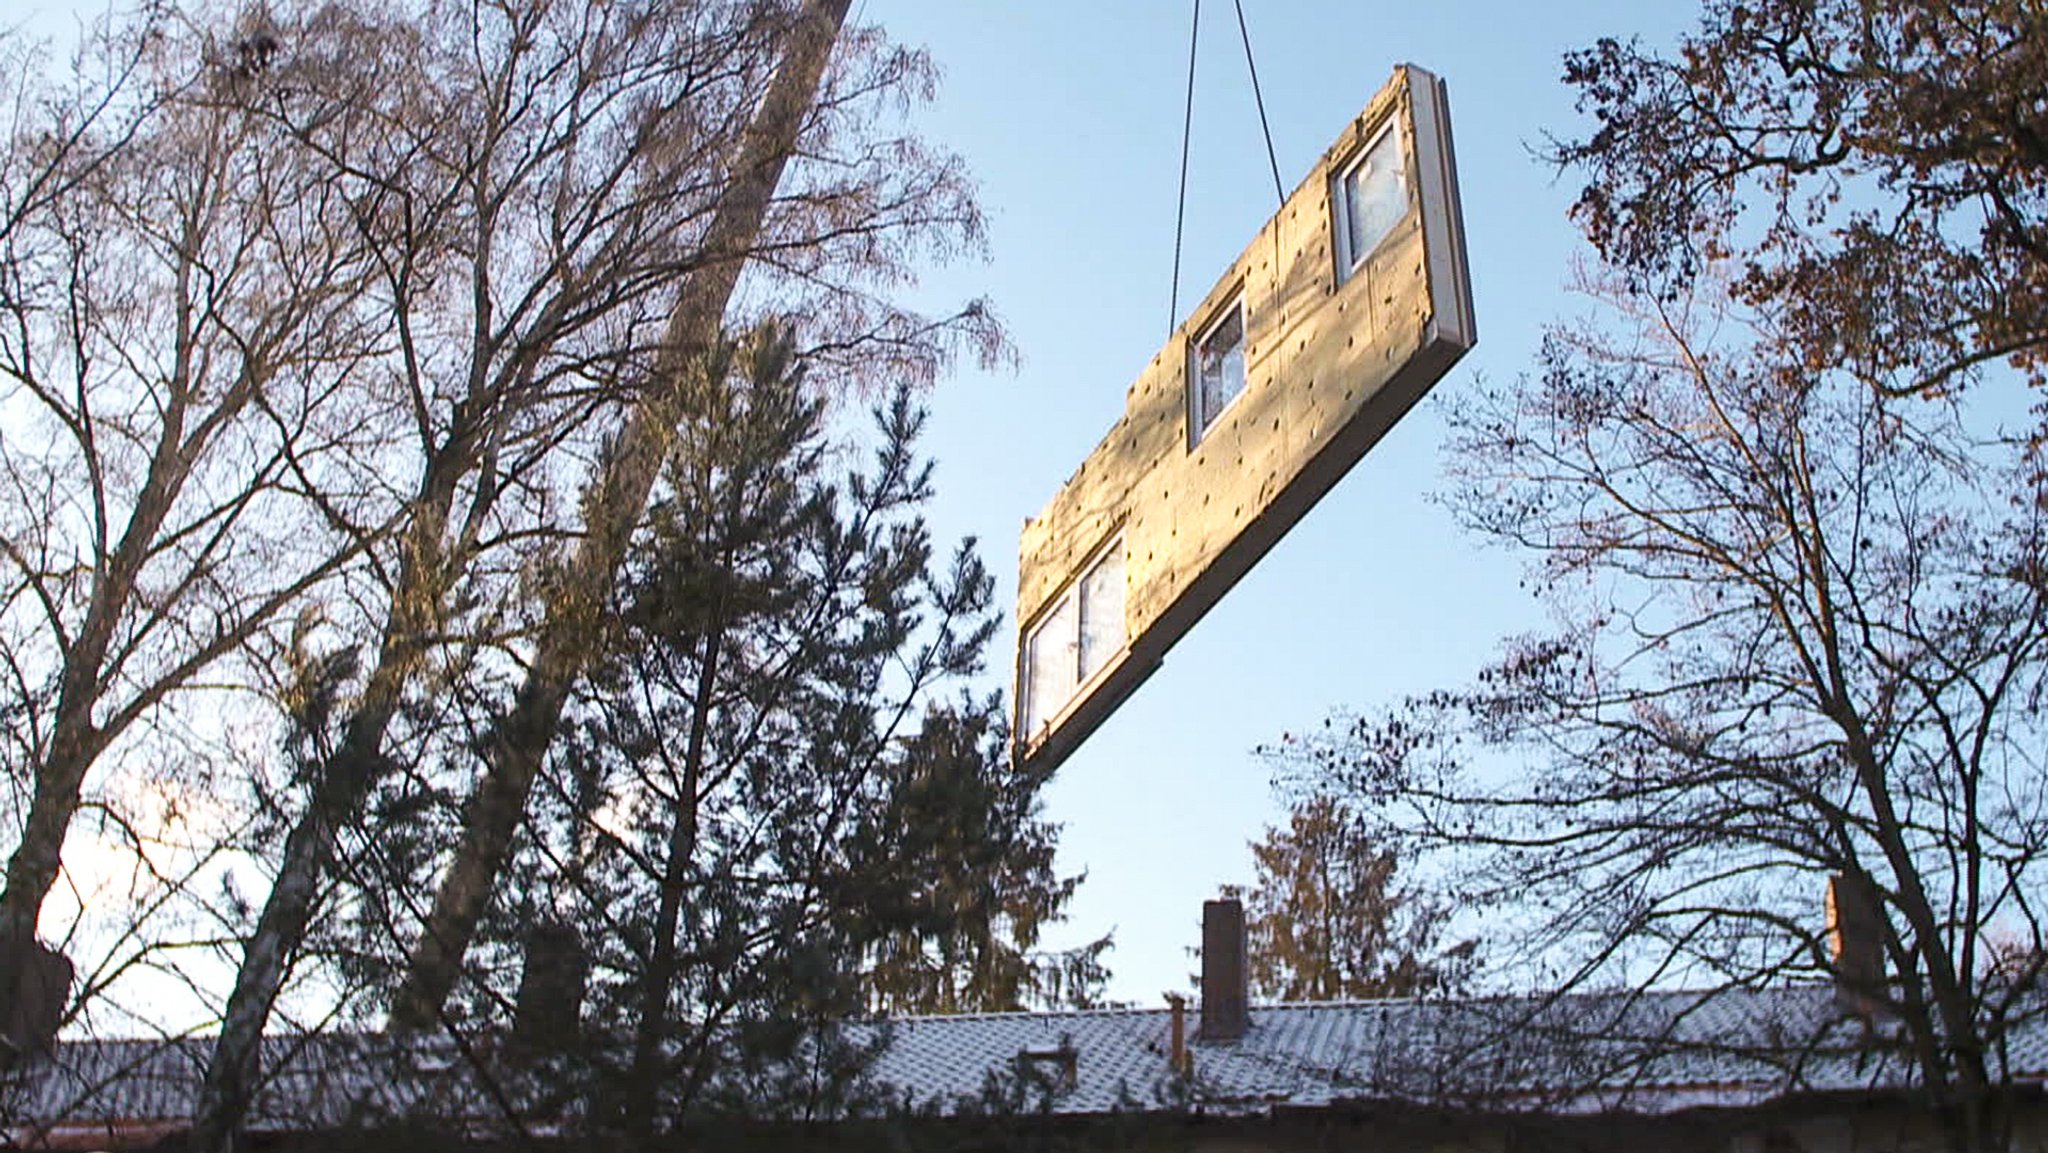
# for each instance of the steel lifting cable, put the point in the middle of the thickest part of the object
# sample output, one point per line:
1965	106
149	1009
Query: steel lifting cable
1187	133
1279	194
1180	211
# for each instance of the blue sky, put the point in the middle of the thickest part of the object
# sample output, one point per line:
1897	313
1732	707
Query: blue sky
1070	116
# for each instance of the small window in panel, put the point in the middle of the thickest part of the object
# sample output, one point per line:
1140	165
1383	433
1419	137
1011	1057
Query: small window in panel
1372	197
1074	640
1218	375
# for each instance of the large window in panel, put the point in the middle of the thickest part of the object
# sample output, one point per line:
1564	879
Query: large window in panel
1075	639
1216	368
1371	198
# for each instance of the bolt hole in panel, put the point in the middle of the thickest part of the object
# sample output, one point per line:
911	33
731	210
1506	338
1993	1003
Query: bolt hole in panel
1359	282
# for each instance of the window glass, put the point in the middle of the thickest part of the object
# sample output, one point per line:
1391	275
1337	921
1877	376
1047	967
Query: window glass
1375	196
1219	366
1075	640
1050	663
1102	612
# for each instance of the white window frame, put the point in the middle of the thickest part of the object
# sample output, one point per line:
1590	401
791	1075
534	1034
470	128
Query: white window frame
1199	419
1349	257
1084	676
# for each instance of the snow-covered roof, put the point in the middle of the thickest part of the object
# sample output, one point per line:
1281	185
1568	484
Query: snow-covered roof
1641	1053
1644	1052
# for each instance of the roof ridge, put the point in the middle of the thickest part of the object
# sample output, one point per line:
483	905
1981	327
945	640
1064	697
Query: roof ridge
1011	1014
372	1036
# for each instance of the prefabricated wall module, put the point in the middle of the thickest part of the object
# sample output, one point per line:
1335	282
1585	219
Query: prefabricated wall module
1351	302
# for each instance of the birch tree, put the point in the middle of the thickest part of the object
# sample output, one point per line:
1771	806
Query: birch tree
613	505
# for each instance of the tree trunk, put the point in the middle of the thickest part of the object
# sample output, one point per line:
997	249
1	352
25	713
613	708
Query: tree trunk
32	871
339	792
644	1082
75	742
1965	1081
616	502
308	854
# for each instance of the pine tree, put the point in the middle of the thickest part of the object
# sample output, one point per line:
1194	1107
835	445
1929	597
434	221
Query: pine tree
775	797
964	882
1327	921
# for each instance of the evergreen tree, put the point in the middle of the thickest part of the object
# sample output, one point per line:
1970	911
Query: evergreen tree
776	810
1327	921
965	882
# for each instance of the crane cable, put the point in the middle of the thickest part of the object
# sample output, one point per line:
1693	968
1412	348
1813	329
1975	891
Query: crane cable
1279	193
1187	134
1180	211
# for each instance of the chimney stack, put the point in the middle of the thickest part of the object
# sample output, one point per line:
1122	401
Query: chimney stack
1226	1010
1177	1057
1856	943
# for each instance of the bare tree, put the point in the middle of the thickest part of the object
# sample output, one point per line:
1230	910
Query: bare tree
181	306
547	172
1800	633
1876	166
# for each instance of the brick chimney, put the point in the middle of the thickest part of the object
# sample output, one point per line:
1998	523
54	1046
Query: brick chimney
1177	1057
1856	943
1226	1010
